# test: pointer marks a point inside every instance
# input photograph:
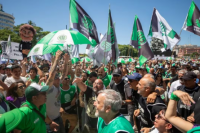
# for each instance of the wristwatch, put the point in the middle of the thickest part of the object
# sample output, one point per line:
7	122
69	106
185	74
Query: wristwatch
124	102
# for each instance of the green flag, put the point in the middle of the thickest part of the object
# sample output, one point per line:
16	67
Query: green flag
192	22
139	41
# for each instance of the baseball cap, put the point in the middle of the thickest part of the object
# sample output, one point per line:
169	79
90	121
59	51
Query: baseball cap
189	76
137	67
9	120
117	72
9	66
33	89
134	76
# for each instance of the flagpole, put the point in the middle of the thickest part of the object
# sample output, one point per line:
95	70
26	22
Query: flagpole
106	35
175	45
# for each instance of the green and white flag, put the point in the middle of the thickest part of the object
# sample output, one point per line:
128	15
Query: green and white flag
80	20
139	41
8	48
192	22
160	29
111	38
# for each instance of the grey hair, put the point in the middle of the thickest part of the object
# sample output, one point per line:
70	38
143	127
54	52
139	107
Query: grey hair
113	99
150	75
196	72
150	83
182	71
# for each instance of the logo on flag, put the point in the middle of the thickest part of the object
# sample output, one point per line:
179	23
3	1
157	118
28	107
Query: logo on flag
36	49
62	37
106	46
87	22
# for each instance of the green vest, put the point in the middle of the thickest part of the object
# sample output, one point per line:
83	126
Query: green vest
68	95
118	124
87	83
32	122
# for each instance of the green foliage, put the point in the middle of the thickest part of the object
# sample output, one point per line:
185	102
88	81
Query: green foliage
126	50
194	55
4	33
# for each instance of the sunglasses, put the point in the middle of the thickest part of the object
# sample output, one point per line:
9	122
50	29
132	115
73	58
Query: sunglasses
21	87
116	75
67	78
130	80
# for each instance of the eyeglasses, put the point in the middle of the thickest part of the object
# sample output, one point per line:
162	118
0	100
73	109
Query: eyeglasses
161	116
97	83
21	87
116	75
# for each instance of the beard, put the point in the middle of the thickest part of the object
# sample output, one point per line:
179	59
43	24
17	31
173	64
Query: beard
99	112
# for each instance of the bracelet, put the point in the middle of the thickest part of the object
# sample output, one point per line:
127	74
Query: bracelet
174	97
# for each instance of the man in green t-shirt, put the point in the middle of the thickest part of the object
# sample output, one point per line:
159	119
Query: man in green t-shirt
104	76
68	101
107	105
91	79
31	116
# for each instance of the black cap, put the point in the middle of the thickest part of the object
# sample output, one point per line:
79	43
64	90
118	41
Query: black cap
189	76
92	74
94	67
117	72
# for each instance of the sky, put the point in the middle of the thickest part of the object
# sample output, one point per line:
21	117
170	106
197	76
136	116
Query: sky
53	15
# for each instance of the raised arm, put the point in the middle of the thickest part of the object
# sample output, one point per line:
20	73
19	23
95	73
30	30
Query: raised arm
65	70
52	72
171	113
80	84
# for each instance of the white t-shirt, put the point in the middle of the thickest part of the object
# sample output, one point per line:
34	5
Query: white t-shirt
173	87
10	80
53	104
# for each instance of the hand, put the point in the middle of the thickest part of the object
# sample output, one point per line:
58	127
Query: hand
145	130
191	119
28	83
151	97
58	54
73	102
77	80
54	126
42	79
185	97
136	112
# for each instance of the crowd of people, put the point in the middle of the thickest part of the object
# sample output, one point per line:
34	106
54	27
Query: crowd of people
162	96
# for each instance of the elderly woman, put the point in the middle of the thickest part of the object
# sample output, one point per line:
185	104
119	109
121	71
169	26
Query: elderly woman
15	94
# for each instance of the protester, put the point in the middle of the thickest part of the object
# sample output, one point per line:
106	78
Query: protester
104	76
108	104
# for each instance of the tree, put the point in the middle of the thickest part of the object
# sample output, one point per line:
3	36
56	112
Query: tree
194	55
4	33
127	50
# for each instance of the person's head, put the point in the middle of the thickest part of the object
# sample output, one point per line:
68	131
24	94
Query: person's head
108	103
173	70
180	74
17	89
33	72
84	75
16	71
117	76
45	67
124	71
78	71
142	71
159	77
46	76
66	81
101	73
2	69
98	85
189	79
148	76
197	73
36	94
8	70
151	71
56	81
133	80
161	123
92	77
119	65
146	86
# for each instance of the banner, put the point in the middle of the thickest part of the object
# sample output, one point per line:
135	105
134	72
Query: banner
14	54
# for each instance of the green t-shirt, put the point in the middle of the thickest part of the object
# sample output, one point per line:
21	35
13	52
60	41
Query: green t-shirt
106	80
35	80
32	122
88	84
114	126
68	95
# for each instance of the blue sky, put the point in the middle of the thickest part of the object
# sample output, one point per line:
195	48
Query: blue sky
53	15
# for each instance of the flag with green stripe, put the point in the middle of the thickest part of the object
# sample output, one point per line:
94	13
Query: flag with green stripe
160	29
192	22
139	41
111	38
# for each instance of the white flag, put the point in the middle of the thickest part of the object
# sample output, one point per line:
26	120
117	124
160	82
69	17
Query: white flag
160	29
8	48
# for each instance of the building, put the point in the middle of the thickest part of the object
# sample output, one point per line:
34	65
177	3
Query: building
187	51
6	20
